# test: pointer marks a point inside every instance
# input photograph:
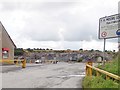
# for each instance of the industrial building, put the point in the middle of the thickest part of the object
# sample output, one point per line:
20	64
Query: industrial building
7	46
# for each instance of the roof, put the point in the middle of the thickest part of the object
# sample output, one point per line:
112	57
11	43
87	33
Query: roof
8	35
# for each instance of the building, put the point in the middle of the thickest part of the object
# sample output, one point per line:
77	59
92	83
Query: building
6	45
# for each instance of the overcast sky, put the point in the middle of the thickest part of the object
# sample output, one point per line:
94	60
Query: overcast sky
57	24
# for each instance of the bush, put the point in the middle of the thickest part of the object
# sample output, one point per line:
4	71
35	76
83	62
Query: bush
80	60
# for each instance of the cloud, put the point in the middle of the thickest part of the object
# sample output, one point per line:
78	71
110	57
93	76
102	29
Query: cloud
54	21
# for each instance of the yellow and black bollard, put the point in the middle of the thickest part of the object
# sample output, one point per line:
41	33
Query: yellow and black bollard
24	64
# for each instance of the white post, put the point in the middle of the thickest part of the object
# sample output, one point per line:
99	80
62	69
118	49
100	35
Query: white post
104	52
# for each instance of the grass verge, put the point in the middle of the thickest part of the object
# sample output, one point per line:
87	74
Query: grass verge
100	82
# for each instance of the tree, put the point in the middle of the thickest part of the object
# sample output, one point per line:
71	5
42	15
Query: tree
91	50
18	52
30	50
47	49
51	49
106	51
37	48
81	49
114	51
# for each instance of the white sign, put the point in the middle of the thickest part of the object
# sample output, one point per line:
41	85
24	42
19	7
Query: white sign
108	26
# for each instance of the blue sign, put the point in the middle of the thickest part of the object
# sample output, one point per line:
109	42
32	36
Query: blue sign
118	32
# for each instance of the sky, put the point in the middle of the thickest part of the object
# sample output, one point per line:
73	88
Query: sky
57	24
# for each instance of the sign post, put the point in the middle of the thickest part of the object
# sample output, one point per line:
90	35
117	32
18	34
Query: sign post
109	28
104	52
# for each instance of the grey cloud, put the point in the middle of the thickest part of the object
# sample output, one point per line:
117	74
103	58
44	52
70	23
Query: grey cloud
48	29
33	6
46	18
78	28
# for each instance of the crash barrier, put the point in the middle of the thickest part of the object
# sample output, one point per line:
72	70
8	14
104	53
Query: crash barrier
17	62
90	68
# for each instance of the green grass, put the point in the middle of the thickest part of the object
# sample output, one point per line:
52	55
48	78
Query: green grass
100	82
111	67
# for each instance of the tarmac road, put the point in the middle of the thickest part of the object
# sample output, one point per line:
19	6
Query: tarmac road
61	75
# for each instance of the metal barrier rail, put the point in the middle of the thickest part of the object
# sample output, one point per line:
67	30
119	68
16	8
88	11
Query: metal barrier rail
15	62
89	68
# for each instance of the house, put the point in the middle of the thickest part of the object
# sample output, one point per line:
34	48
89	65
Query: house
7	46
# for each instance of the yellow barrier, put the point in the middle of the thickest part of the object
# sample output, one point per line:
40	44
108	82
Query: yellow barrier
7	61
89	68
15	62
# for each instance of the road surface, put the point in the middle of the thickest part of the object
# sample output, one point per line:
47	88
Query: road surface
61	75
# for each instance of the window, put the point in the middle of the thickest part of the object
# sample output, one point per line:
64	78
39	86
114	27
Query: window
5	53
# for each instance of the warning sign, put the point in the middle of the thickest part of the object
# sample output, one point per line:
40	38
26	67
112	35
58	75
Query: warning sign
108	26
104	34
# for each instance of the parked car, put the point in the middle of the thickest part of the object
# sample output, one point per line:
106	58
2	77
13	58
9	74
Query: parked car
38	61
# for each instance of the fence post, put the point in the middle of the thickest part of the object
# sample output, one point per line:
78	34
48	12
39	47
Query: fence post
89	69
107	77
97	73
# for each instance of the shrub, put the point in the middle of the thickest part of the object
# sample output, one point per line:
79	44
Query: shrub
80	60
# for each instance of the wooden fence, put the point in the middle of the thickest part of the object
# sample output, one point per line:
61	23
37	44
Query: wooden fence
90	68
